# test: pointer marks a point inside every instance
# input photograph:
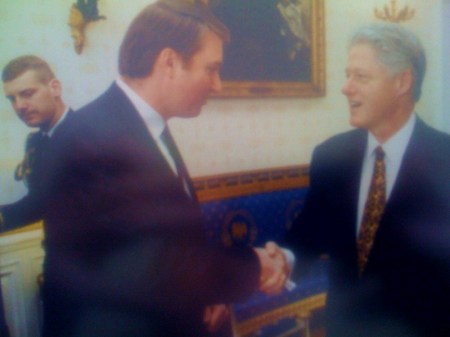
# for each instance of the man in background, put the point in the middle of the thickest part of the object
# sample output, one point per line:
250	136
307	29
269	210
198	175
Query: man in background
126	253
35	95
379	199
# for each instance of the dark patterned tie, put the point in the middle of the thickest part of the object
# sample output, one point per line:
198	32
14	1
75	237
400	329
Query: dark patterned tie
373	210
182	173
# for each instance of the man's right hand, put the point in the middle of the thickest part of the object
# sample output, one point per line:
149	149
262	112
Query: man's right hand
274	269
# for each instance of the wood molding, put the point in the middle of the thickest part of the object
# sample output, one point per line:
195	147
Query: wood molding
229	185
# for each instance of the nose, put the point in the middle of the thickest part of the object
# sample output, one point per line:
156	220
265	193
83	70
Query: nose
216	83
20	105
347	88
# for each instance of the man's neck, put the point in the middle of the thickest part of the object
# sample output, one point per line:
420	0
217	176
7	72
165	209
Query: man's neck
61	109
388	129
150	90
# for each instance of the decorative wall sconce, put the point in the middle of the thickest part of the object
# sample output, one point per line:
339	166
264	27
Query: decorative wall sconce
391	14
81	14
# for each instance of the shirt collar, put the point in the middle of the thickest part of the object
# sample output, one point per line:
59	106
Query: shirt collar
52	130
151	117
395	147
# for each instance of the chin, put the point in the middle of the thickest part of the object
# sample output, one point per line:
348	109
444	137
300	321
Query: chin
353	122
32	124
192	113
356	122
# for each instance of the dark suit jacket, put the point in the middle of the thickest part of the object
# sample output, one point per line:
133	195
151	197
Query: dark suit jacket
126	248
405	290
31	207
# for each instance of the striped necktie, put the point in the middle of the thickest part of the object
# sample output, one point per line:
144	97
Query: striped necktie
373	210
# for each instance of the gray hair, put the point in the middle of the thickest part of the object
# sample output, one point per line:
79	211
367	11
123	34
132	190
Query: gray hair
397	49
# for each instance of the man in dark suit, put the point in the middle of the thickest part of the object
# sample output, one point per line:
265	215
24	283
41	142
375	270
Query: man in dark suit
126	253
35	95
387	239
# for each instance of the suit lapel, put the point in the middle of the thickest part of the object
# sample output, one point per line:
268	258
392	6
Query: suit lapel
129	118
349	175
356	153
409	164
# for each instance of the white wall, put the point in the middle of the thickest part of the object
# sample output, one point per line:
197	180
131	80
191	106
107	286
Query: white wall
231	134
445	21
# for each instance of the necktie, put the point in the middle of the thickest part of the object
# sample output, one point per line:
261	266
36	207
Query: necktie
373	210
182	173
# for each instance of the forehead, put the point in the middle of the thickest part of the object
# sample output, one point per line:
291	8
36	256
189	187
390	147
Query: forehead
210	49
26	80
364	56
362	52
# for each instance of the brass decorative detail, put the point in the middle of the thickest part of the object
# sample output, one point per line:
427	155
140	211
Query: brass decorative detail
392	14
237	184
302	310
239	228
81	14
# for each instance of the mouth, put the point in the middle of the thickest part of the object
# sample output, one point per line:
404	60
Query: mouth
354	104
27	117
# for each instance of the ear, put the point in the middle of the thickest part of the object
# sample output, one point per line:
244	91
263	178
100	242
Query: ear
168	61
55	87
405	82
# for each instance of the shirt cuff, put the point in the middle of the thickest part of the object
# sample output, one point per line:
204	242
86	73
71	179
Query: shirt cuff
290	257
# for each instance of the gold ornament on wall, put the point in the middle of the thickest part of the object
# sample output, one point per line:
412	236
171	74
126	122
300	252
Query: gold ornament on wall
81	14
391	14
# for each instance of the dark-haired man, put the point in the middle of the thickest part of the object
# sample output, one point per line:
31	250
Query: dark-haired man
125	237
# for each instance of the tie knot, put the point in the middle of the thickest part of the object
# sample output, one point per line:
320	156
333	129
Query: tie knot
379	153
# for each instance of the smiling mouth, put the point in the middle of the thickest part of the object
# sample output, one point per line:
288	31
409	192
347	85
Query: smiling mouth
354	104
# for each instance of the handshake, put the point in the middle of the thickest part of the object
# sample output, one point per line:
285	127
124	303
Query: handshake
275	268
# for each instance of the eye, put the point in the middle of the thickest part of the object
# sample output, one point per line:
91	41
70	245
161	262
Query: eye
361	77
27	93
213	69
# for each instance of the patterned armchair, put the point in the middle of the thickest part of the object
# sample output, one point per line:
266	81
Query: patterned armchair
251	208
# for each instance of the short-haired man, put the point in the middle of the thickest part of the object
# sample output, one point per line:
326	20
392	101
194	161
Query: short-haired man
125	237
379	199
35	95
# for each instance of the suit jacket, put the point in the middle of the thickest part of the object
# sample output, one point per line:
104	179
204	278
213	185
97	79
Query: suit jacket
405	290
32	170
126	247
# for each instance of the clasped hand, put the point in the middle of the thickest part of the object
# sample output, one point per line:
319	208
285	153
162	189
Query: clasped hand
275	271
275	268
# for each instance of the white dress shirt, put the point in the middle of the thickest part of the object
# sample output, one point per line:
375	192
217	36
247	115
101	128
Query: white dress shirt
52	130
394	150
152	119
